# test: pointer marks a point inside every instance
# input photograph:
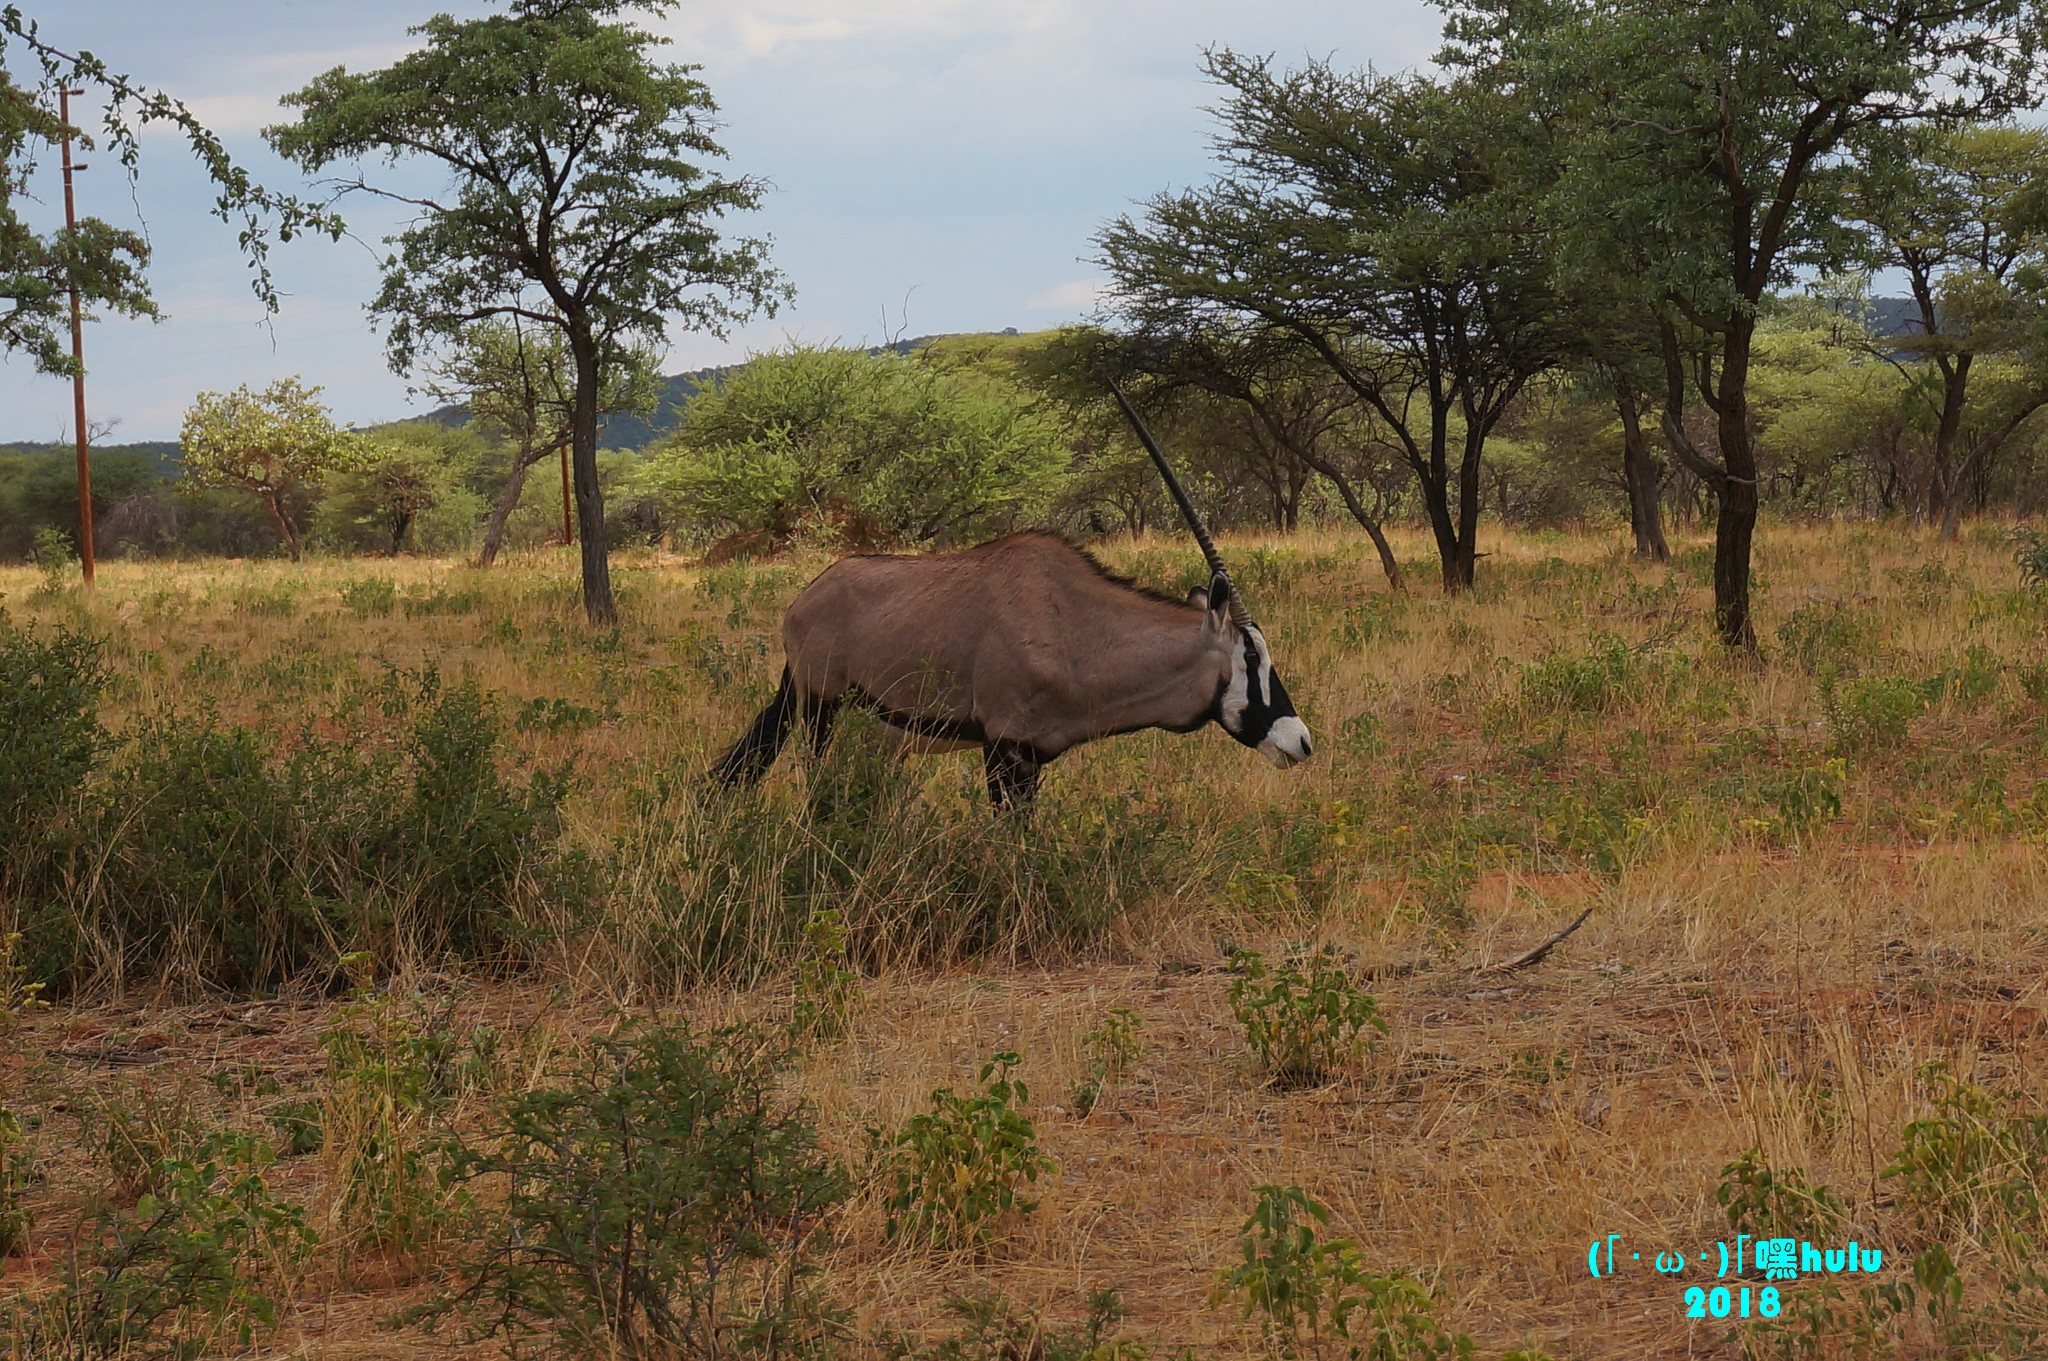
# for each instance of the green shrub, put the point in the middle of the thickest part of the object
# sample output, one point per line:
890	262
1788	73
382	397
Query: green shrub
1809	797
1112	1047
392	1069
1376	620
549	715
465	835
1871	713
856	446
1302	1024
277	598
189	1271
369	597
140	1131
17	1173
1313	1297
1579	683
1827	635
721	887
665	1200
2030	555
225	858
826	990
425	600
1764	1202
958	1168
50	738
300	1126
53	558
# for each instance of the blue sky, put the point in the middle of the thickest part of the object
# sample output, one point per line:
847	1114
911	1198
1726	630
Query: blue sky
945	162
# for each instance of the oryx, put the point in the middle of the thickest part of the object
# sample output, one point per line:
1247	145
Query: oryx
1024	646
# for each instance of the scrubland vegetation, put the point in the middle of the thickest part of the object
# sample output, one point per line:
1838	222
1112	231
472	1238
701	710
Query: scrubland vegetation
380	975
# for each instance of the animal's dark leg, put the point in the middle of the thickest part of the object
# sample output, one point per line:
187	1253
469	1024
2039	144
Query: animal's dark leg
819	716
748	759
1012	770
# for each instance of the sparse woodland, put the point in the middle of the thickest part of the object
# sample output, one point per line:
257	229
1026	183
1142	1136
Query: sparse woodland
1629	437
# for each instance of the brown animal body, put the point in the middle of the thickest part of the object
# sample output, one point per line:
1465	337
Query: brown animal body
1024	646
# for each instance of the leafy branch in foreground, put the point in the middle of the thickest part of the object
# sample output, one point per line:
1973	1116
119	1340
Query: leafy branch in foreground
105	262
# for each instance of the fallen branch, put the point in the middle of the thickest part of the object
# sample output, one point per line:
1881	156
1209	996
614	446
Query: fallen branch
1535	954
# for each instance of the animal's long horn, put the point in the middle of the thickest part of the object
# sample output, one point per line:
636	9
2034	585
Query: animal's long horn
1180	498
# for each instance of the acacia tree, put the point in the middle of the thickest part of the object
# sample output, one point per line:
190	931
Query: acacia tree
1362	217
1711	147
578	198
277	446
1966	220
520	382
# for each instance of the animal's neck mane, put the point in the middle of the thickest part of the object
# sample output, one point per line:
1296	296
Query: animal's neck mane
1095	564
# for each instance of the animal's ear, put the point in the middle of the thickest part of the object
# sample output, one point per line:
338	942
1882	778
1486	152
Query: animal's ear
1198	596
1217	600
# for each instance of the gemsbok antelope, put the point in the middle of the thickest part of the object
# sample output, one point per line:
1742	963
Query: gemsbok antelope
1026	647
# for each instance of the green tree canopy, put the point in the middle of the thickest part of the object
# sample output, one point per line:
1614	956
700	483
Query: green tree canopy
1708	148
578	197
1965	218
278	446
1362	218
865	449
406	487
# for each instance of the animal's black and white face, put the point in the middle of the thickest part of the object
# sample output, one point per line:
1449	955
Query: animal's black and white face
1254	707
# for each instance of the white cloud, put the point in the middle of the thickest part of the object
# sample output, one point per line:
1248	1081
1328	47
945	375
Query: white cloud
1078	295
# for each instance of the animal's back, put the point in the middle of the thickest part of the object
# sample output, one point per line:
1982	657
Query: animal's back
912	633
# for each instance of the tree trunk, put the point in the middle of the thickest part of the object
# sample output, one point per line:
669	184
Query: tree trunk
508	501
1461	569
1944	487
598	604
287	533
1735	527
1640	471
400	523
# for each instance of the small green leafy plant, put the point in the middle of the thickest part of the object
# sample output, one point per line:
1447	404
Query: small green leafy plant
958	1168
2030	555
393	1067
53	558
16	1173
826	990
190	1270
1302	1022
1314	1299
994	1329
1871	713
1112	1047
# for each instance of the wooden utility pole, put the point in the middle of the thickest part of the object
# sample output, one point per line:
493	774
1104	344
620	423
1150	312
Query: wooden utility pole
568	525
85	535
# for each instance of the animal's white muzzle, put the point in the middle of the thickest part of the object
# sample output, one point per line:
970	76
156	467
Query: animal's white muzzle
1287	743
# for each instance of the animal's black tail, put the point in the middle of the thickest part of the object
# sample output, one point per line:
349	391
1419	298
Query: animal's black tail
748	759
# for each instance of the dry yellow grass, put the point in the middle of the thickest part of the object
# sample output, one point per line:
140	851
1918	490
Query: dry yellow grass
1747	977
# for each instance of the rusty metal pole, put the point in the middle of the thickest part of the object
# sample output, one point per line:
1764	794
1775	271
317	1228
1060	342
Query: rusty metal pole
568	525
85	535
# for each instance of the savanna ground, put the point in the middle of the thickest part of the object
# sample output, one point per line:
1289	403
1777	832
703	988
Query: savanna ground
1809	879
